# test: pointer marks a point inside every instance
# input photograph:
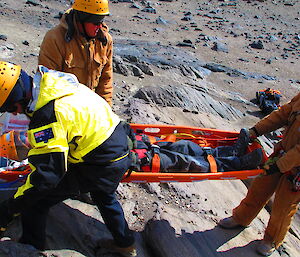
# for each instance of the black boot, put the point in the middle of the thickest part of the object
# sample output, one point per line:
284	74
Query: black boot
251	160
242	142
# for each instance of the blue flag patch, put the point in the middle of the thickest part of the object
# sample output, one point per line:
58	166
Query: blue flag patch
43	135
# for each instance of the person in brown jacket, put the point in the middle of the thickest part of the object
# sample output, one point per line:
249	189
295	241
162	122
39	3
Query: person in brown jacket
282	176
82	45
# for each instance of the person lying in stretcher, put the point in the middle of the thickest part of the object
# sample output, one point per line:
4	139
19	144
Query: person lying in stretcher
163	156
187	156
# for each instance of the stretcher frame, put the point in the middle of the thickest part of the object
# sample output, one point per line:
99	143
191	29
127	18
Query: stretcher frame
212	137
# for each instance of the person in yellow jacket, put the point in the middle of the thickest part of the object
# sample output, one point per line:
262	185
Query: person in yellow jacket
82	45
282	176
77	145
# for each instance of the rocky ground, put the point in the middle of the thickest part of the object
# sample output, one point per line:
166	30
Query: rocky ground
196	63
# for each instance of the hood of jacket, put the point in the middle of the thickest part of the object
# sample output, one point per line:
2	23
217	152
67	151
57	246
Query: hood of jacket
49	85
72	28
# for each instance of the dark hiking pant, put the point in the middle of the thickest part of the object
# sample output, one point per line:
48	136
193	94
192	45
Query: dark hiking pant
101	182
187	156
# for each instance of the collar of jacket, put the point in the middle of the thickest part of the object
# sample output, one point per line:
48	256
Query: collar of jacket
49	85
72	28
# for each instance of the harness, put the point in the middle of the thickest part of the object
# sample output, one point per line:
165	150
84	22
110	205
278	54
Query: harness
211	159
148	163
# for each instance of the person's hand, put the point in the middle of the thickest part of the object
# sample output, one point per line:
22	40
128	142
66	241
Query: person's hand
253	133
271	169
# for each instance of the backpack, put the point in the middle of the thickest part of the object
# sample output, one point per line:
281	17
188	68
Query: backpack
268	100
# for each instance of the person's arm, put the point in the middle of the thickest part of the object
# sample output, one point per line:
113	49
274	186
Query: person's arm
276	119
105	86
47	159
51	53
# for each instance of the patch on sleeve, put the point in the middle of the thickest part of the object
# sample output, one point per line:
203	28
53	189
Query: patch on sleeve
43	135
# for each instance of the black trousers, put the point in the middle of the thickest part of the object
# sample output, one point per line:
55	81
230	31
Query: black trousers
101	181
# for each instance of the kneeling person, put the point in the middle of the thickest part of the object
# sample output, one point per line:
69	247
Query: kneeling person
77	145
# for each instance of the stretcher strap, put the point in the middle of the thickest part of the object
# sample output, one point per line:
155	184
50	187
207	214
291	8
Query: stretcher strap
212	163
155	163
198	140
169	138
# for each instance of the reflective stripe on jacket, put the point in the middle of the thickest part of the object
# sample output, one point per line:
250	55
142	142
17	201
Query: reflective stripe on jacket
90	61
68	121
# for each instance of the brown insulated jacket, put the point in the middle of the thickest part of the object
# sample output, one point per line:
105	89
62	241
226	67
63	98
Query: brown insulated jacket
287	116
90	61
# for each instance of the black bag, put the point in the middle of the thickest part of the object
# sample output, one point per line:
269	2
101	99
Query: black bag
268	100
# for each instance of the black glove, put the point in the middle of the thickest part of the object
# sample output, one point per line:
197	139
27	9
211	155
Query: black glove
132	143
271	169
6	215
253	133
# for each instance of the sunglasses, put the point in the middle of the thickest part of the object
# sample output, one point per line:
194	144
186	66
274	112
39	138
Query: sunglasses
90	18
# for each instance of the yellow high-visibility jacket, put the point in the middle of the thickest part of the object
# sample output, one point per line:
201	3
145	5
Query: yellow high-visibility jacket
67	121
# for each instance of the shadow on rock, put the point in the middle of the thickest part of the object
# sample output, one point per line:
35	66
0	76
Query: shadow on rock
163	240
257	114
70	232
70	228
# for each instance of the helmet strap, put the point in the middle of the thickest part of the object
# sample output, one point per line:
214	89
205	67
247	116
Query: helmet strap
25	82
71	28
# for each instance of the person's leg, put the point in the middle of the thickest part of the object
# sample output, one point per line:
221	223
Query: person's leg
113	216
259	193
102	182
34	225
177	162
248	161
185	147
34	218
240	146
284	207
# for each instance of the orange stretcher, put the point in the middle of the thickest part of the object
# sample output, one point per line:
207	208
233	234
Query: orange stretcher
203	136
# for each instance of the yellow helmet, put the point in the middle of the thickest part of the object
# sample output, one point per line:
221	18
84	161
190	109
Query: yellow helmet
9	75
99	7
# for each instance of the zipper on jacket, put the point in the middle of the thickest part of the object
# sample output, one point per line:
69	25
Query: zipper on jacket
89	65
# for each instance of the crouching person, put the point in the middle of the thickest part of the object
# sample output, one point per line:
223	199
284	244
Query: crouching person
77	145
282	177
